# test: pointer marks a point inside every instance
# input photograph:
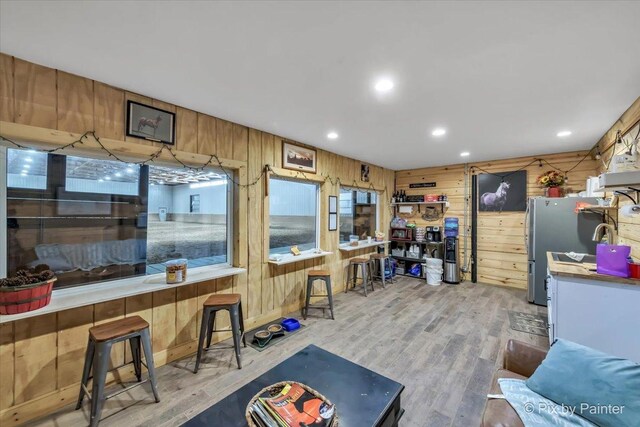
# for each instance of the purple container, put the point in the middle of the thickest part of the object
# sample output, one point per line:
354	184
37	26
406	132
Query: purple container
612	260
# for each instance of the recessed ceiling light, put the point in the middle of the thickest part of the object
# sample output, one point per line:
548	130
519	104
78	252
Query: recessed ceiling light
101	180
108	178
28	159
438	132
464	154
564	133
118	174
129	170
23	174
384	85
26	166
332	135
160	182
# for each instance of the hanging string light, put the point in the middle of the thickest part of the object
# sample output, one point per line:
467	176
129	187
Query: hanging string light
213	160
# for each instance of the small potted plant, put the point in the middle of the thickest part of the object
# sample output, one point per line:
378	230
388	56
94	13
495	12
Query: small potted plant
552	181
27	290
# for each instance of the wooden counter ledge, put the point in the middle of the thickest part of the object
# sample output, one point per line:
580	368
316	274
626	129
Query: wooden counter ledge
581	272
79	296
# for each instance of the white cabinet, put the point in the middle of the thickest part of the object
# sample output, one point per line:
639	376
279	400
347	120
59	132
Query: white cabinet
601	315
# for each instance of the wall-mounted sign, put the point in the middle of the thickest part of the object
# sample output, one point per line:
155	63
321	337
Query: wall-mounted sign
422	185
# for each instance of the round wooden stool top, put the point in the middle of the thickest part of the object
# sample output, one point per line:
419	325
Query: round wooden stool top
315	273
359	261
117	328
222	299
378	256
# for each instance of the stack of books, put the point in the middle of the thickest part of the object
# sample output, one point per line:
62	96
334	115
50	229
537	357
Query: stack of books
293	406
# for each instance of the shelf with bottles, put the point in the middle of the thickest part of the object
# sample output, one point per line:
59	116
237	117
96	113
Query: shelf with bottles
400	198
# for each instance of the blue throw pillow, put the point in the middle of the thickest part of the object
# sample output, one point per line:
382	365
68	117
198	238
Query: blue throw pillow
602	388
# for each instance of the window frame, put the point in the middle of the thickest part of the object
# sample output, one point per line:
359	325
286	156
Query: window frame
368	190
318	212
3	211
230	212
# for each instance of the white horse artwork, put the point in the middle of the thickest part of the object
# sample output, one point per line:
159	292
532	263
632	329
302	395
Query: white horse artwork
495	201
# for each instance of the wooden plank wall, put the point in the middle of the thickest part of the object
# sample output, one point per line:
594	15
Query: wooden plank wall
629	228
502	258
39	371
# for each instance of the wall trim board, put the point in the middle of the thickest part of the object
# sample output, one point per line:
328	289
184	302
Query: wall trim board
48	138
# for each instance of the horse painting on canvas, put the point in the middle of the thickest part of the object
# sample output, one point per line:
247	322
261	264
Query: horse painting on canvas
495	201
502	192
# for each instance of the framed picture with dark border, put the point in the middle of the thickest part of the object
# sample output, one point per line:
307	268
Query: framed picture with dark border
151	123
364	172
298	158
333	204
333	222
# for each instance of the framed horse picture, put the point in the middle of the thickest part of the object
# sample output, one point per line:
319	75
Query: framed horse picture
502	191
154	124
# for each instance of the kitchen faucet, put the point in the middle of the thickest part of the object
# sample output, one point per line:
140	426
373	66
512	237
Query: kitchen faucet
612	237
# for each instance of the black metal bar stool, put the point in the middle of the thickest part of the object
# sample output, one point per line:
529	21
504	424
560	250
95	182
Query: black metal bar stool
314	275
101	339
380	261
352	276
213	304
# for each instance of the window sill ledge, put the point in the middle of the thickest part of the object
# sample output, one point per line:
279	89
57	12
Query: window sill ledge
362	244
289	259
79	296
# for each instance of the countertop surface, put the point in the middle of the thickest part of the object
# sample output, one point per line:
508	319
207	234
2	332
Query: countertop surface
582	271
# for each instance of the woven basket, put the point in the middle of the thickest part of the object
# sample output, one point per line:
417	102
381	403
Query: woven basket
20	299
274	388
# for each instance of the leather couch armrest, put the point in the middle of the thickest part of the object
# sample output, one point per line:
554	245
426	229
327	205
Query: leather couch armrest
522	358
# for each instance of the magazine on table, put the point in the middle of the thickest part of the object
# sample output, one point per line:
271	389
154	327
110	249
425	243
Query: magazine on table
293	406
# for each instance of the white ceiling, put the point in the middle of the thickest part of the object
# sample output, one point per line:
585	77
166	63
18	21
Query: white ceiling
502	77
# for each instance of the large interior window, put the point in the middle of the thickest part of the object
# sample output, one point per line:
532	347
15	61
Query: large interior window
93	220
293	215
358	213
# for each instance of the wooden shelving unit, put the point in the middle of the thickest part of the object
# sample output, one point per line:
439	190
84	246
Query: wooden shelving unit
409	260
443	205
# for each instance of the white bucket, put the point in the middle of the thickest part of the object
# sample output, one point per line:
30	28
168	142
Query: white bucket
434	277
434	271
433	263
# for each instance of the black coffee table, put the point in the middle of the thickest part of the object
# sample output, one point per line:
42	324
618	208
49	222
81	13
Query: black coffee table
362	397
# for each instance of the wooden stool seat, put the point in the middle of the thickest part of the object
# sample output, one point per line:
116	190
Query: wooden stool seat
315	273
365	265
98	356
117	328
222	299
381	261
221	302
312	277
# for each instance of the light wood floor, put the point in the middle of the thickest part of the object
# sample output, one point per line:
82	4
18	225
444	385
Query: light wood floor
443	343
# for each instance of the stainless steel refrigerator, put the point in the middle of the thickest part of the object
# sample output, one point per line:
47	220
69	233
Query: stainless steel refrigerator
553	225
